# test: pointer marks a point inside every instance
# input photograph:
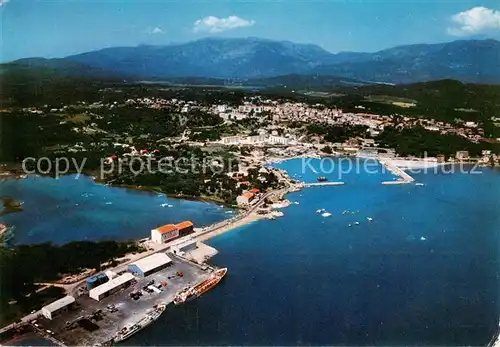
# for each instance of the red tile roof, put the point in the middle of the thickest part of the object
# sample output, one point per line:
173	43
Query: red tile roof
185	224
247	195
166	228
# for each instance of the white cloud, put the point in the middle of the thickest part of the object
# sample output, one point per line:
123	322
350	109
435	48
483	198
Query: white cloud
3	2
215	25
474	21
153	31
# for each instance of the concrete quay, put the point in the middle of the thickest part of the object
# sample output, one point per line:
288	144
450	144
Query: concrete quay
322	184
404	177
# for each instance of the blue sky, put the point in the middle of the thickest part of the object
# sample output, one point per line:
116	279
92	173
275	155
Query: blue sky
57	28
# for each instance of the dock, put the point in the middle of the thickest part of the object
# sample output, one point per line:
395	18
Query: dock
201	254
322	184
94	322
395	170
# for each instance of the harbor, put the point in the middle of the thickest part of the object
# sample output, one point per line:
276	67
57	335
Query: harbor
92	318
404	178
99	322
189	256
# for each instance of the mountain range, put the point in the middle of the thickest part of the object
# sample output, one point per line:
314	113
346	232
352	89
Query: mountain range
244	59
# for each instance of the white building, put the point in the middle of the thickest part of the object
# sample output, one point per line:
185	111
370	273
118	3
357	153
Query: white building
112	286
471	124
57	307
256	139
278	140
231	140
164	233
250	108
237	116
245	199
148	265
221	108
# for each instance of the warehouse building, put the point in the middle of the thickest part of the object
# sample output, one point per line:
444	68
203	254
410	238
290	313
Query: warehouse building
57	307
148	265
164	233
112	286
185	228
96	280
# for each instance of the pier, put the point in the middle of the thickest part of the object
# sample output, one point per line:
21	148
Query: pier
395	170
322	184
94	322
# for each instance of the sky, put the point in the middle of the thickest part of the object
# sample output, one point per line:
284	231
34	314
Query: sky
57	28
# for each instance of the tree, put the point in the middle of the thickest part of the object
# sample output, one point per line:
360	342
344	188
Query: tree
327	150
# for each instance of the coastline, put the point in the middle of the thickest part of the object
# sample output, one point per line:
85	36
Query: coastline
157	190
150	189
242	222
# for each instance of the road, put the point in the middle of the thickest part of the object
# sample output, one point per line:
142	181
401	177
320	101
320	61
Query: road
72	289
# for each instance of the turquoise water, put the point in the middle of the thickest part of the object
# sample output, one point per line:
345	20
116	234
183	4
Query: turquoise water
424	271
70	209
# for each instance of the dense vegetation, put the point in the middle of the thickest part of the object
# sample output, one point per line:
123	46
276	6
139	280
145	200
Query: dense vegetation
24	265
337	133
445	100
418	141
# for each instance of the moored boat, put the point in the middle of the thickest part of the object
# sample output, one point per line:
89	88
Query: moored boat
322	179
191	293
150	317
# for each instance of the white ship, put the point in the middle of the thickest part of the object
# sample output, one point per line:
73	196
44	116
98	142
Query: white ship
150	317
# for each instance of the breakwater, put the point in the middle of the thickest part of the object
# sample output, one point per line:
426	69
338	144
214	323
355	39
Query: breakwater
394	169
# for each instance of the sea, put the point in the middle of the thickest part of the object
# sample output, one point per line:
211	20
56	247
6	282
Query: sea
393	264
75	208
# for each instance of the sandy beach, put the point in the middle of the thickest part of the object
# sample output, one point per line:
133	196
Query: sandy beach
223	229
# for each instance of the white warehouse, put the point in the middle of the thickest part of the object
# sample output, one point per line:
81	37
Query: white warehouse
58	306
146	266
112	286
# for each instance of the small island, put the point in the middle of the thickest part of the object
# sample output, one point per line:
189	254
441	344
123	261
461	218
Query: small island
9	205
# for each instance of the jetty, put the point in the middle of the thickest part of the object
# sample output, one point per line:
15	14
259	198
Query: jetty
321	184
395	170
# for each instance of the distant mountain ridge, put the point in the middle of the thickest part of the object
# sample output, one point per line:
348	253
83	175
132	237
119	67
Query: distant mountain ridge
476	61
216	58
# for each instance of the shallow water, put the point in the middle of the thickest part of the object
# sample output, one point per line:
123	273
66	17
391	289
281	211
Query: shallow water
69	209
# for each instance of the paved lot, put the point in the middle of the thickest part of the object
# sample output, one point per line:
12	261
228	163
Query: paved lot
128	310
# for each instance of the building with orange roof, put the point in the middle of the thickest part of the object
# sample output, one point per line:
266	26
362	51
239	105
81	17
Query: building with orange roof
254	191
164	233
245	199
185	228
